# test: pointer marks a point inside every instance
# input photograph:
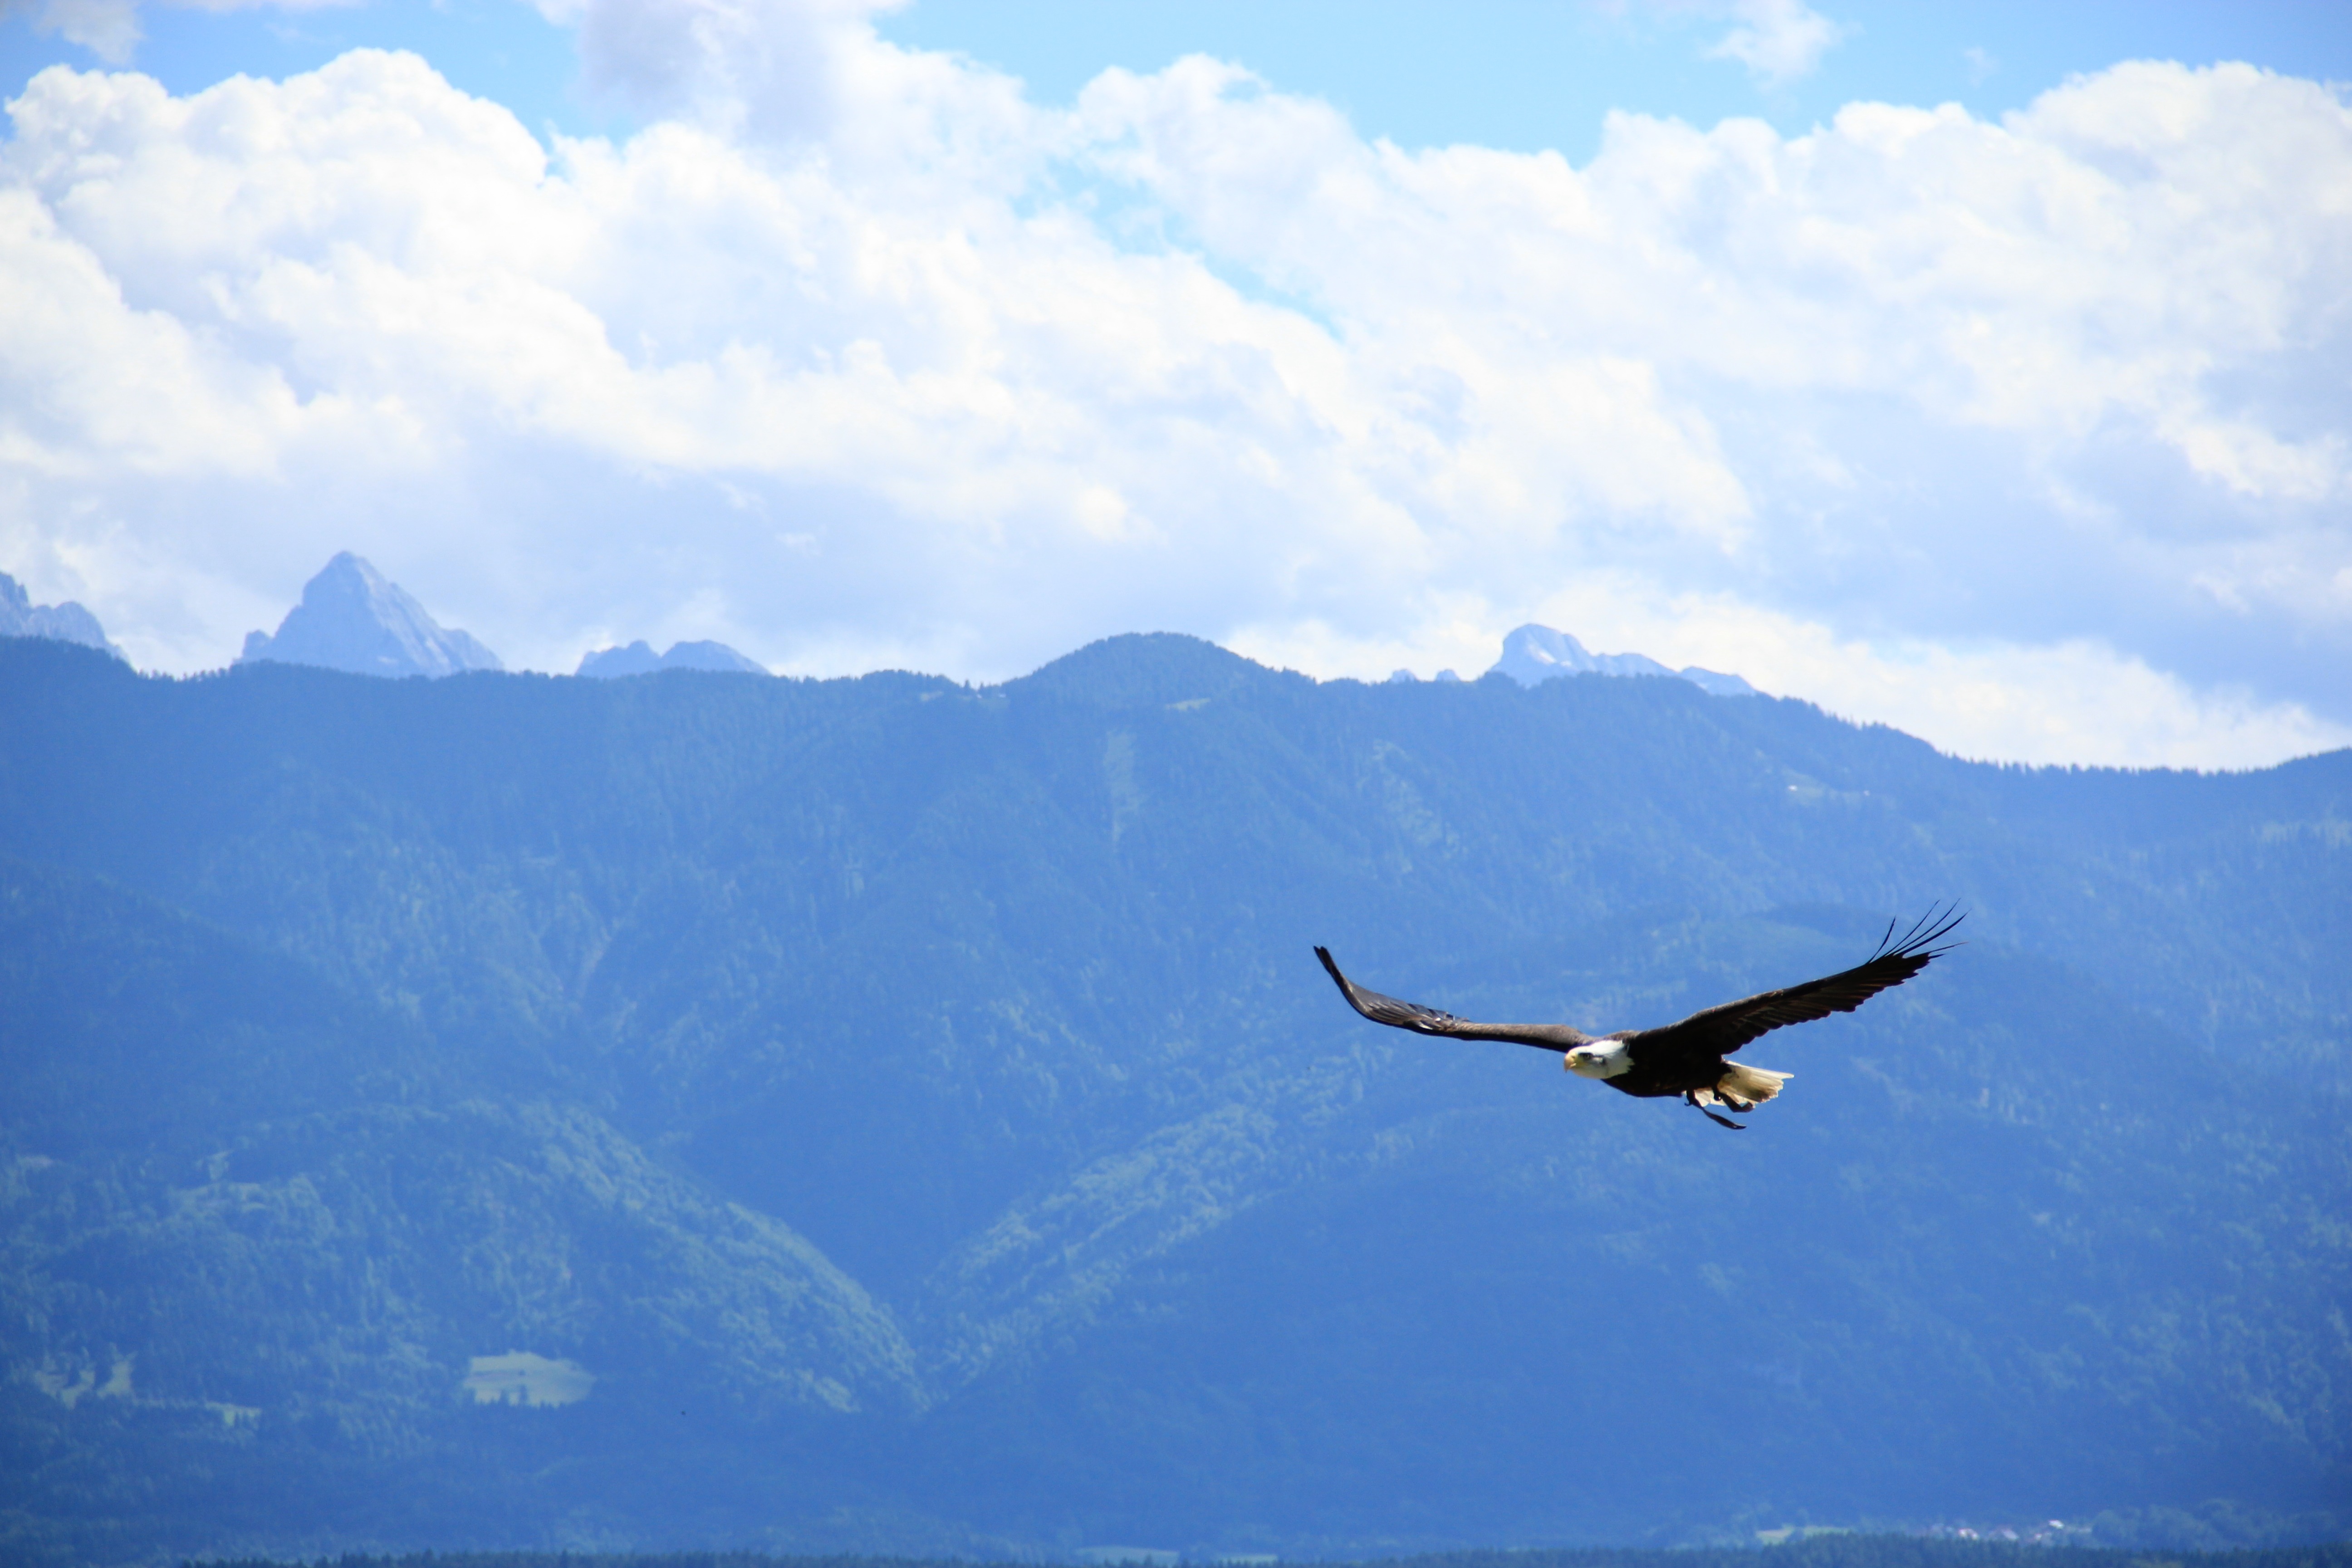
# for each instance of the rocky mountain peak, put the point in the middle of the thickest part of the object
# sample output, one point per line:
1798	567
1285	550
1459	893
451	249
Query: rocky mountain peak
68	622
1534	653
352	617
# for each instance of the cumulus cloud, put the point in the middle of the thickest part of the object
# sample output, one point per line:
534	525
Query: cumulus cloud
2025	435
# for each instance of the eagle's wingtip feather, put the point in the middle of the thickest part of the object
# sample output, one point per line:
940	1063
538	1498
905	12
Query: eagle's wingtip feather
1332	967
1919	940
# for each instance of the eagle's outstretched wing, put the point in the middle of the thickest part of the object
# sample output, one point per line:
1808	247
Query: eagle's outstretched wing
1719	1031
1421	1020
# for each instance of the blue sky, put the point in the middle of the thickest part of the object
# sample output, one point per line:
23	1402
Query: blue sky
1522	75
1529	76
1977	370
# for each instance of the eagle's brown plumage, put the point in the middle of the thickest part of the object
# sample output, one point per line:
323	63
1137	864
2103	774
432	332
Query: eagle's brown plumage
1686	1058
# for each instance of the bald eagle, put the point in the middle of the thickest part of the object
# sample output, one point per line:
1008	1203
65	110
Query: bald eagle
1686	1058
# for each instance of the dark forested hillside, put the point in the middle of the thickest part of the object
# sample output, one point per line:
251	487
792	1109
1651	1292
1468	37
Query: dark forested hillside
1825	1549
706	1110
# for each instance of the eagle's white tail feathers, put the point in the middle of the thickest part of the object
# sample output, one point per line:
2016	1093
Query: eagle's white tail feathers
1754	1086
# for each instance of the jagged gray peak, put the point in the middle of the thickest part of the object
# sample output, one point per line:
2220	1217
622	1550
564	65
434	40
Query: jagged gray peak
68	622
639	658
351	617
1534	653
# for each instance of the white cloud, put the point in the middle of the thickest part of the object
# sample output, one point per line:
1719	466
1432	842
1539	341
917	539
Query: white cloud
109	28
2023	435
1778	40
2070	703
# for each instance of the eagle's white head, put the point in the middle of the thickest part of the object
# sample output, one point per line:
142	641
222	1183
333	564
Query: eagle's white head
1598	1059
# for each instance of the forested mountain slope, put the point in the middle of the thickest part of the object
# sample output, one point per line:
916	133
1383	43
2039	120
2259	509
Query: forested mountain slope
896	1114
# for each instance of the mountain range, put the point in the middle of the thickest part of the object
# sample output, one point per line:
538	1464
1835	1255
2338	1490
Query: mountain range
352	619
639	658
890	1114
